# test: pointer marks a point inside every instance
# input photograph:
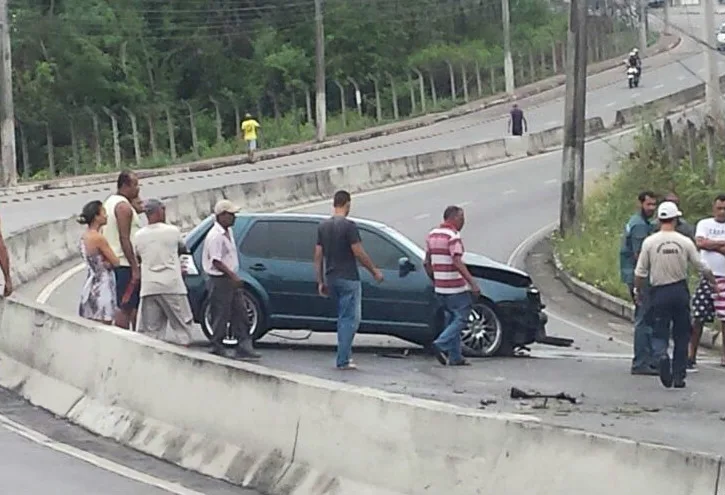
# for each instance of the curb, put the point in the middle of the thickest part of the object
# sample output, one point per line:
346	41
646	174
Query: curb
530	90
614	305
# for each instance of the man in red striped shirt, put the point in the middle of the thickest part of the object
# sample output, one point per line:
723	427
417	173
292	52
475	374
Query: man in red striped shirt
454	286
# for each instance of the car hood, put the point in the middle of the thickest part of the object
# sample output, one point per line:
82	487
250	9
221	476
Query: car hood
483	267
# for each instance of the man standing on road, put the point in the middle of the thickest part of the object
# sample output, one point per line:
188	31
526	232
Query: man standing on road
517	122
664	260
123	223
709	305
220	261
637	229
340	248
5	267
249	128
454	286
163	292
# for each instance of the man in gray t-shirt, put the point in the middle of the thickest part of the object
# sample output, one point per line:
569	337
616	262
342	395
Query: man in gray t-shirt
337	252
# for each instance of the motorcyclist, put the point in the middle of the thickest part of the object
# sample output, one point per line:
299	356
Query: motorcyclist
635	61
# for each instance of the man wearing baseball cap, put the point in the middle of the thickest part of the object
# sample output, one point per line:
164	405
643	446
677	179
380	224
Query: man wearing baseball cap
664	259
220	261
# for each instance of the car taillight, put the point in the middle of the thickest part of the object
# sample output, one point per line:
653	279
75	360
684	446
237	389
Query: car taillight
188	267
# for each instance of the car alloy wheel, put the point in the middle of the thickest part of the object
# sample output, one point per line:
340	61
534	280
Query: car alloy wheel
252	315
484	334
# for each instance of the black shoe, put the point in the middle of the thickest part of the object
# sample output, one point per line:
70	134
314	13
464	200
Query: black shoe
220	351
246	353
462	362
666	371
692	366
680	384
647	371
439	354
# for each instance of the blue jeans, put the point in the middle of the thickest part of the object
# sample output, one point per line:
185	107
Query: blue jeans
347	295
457	308
643	346
671	312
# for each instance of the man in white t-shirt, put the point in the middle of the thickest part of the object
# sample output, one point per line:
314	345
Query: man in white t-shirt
163	294
709	305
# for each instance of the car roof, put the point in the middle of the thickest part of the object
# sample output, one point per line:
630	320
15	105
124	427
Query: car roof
308	216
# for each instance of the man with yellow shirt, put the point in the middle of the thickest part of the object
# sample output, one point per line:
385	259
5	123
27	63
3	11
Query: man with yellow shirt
249	128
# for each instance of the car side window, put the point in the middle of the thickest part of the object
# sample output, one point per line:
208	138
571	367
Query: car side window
384	253
281	239
255	243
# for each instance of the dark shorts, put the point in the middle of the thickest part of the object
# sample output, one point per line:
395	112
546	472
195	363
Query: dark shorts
703	306
123	279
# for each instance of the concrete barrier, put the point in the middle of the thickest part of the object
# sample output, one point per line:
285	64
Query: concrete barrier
293	434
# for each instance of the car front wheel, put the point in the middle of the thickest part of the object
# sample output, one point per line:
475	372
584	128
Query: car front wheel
484	336
255	315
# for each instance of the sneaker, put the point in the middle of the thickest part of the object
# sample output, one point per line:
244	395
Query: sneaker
462	362
680	384
692	366
348	367
666	372
439	354
242	353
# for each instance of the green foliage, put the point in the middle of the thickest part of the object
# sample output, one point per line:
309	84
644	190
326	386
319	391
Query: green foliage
593	256
74	57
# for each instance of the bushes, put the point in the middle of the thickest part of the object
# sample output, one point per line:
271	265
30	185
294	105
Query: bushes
593	256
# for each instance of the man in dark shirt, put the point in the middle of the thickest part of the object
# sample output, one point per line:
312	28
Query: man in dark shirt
681	225
340	247
517	121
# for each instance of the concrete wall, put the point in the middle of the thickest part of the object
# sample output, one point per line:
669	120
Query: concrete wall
294	434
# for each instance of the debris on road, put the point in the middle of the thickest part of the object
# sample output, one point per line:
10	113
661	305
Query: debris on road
517	393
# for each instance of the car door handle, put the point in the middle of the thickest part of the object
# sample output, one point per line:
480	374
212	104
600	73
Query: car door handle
258	267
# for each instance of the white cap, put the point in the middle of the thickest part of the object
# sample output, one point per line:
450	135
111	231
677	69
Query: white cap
225	206
668	210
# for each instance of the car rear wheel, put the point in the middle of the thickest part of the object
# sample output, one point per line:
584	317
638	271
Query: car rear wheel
484	336
255	314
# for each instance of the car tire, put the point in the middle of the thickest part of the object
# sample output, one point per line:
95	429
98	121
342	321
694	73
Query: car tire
485	335
256	314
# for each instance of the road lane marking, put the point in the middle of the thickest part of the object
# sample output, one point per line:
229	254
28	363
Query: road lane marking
421	216
611	104
94	460
465	203
55	284
551	181
510	191
659	86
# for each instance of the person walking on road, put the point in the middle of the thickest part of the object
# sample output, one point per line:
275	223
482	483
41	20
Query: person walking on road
517	122
454	286
636	230
249	128
164	301
338	250
664	259
123	223
709	305
220	261
98	295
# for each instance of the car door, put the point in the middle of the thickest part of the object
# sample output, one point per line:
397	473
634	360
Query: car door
279	254
399	301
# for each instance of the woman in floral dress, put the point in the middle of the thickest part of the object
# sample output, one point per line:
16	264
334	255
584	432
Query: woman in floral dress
98	296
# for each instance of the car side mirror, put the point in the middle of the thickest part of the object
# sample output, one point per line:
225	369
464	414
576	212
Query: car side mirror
405	266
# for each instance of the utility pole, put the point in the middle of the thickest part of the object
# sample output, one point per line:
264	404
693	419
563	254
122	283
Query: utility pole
508	62
712	85
572	163
7	110
321	99
666	30
642	26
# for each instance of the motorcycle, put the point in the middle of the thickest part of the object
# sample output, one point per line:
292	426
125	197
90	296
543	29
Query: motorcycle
633	76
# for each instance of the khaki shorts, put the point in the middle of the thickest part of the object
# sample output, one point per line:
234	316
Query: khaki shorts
158	312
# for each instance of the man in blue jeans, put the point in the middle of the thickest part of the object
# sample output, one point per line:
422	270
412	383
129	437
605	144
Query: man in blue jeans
340	247
639	226
455	288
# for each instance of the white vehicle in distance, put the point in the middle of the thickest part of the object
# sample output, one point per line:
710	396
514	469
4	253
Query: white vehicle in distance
720	37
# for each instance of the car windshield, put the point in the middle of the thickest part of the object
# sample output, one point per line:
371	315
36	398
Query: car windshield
417	250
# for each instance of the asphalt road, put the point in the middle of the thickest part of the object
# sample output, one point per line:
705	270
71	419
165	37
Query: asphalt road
504	205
